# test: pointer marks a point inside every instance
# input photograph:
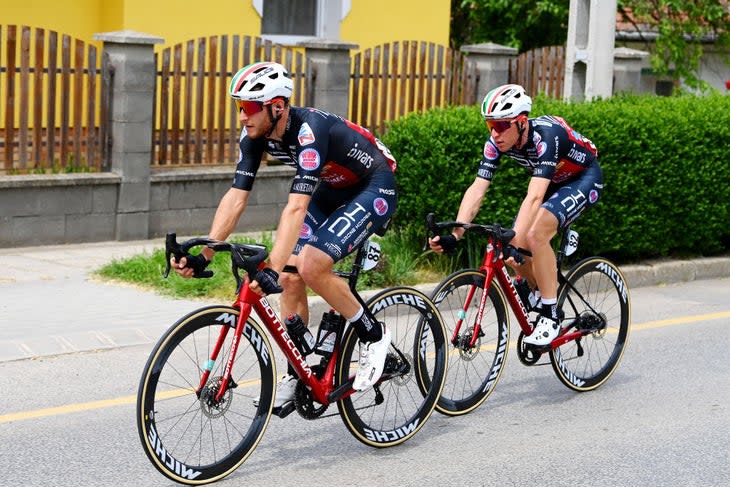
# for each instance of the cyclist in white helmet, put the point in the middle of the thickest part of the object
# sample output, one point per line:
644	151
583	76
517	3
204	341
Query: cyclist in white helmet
343	191
566	180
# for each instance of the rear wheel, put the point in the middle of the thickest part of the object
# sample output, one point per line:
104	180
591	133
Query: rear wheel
398	405
189	435
596	303
474	369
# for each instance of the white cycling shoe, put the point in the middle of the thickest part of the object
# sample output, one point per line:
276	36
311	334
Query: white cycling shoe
284	391
546	330
372	360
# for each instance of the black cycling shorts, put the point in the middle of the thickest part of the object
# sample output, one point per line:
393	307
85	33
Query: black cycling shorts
339	220
569	200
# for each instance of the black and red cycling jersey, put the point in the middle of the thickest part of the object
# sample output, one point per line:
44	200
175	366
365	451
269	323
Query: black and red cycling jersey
553	151
322	146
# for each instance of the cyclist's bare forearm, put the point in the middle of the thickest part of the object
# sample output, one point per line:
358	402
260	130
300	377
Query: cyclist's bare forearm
470	203
229	212
287	234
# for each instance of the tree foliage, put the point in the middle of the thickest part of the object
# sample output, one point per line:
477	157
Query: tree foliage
679	28
523	25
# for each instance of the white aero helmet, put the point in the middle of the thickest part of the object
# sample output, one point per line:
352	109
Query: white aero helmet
261	82
506	101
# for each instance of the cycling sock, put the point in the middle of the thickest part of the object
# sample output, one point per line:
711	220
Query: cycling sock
367	328
550	308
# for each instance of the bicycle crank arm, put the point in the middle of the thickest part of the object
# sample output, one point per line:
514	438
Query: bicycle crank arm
341	392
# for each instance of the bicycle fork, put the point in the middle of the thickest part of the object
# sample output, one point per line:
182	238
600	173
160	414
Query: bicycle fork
226	380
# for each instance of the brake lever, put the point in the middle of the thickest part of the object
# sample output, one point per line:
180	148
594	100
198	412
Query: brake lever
430	230
171	248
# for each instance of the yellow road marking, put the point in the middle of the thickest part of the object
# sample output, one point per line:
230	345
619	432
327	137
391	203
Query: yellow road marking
106	403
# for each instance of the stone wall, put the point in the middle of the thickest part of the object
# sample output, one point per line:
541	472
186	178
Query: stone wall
74	208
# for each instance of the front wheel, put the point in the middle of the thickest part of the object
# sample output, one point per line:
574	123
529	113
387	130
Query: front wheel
398	405
596	304
475	364
190	436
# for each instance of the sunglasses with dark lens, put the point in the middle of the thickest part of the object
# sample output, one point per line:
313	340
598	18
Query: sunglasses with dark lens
499	125
250	107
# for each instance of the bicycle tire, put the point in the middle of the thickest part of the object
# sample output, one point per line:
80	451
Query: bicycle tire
473	372
185	437
585	364
409	397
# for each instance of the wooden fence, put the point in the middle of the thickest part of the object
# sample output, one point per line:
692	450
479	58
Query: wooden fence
540	70
52	116
196	122
393	79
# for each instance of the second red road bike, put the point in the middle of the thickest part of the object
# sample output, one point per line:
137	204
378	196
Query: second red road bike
593	301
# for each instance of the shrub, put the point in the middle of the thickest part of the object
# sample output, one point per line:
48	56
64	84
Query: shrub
667	182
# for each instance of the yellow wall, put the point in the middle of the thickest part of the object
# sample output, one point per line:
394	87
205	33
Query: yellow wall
373	22
77	18
369	22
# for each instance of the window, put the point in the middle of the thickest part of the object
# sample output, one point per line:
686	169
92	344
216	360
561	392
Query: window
291	21
290	17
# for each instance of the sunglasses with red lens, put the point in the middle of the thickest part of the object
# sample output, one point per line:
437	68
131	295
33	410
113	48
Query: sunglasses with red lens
499	125
250	107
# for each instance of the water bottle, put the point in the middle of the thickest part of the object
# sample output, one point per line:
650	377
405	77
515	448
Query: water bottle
327	335
299	333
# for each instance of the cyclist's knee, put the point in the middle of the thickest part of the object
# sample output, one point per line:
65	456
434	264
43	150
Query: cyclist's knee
539	235
291	281
314	265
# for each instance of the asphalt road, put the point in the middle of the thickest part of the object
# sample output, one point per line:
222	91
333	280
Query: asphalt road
661	420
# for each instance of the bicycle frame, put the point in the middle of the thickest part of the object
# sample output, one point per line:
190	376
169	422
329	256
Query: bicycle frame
494	267
322	388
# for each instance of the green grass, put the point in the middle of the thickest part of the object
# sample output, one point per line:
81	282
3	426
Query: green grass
397	267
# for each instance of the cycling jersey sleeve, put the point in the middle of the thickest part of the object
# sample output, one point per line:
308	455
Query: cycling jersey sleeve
548	150
311	155
250	152
490	160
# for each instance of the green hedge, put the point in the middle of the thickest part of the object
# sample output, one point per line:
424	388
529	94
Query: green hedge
667	178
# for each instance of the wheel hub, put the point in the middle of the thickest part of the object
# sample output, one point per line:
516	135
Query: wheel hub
211	407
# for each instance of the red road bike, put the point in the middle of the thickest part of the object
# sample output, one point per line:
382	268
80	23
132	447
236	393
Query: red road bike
593	301
207	390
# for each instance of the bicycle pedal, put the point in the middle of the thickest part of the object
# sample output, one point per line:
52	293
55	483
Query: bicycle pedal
284	410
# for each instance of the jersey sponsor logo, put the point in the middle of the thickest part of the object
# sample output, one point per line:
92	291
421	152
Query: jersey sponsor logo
536	138
390	192
577	155
360	155
542	122
490	152
305	232
306	188
309	159
541	148
593	196
380	206
336	175
306	136
334	250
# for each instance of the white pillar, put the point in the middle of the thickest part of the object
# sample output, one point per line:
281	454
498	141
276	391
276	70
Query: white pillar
589	52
